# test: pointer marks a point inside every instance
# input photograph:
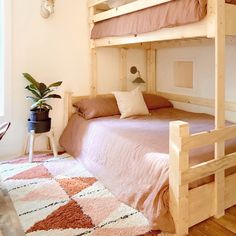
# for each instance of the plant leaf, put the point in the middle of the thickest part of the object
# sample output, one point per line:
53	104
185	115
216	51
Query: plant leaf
42	100
33	106
41	92
32	86
46	91
39	103
33	90
30	79
56	84
53	96
42	87
32	98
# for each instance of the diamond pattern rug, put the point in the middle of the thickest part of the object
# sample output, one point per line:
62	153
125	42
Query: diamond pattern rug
59	197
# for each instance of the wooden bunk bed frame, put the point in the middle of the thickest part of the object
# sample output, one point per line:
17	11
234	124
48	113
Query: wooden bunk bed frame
188	207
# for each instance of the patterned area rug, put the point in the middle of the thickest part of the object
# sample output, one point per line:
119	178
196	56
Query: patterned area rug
59	197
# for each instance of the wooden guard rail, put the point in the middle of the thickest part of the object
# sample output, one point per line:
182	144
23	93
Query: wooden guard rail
181	174
124	9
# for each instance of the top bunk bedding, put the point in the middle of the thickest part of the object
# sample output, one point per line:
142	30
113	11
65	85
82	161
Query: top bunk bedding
169	14
130	156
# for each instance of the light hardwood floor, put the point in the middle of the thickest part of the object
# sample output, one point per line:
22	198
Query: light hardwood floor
224	226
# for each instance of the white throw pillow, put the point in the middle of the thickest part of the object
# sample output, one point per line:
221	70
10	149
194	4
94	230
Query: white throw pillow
131	103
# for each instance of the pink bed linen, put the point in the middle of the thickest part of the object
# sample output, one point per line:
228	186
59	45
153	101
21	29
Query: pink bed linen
169	14
130	156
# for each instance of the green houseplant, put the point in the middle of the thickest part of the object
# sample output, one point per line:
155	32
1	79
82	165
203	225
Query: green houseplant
39	119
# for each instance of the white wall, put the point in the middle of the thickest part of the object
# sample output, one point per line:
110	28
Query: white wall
50	49
108	68
203	74
54	49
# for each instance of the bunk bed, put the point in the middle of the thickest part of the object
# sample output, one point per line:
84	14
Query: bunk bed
187	206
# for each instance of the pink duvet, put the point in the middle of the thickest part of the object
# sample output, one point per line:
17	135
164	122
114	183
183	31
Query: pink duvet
130	156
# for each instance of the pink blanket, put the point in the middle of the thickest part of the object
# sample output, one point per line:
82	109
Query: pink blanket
130	156
169	14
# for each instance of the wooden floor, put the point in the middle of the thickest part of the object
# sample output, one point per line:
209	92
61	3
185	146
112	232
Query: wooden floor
224	226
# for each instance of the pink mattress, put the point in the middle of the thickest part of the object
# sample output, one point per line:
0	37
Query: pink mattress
130	156
170	14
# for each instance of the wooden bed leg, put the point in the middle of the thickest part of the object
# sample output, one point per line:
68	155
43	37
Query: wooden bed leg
179	162
123	69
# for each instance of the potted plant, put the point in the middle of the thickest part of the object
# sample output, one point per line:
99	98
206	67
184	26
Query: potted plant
39	119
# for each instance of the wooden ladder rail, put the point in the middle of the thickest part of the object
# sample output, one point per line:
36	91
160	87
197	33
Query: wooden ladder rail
219	102
179	157
181	174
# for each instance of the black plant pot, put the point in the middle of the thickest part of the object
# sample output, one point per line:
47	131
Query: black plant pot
39	126
39	115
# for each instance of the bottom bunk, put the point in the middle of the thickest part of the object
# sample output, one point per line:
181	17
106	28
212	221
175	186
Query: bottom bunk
131	158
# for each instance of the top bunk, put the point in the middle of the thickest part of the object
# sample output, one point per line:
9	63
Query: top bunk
124	22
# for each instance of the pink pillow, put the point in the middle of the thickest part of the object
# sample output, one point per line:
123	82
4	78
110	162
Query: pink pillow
154	101
90	108
97	107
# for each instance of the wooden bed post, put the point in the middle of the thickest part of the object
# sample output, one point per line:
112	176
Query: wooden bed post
151	70
67	107
219	102
93	79
123	69
93	75
179	162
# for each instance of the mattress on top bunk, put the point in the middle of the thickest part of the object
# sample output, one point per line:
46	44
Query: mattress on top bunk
130	156
170	14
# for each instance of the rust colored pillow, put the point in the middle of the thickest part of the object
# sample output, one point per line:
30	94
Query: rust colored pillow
154	101
97	107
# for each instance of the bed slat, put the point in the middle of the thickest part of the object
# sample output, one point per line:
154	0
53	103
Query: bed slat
208	137
208	168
